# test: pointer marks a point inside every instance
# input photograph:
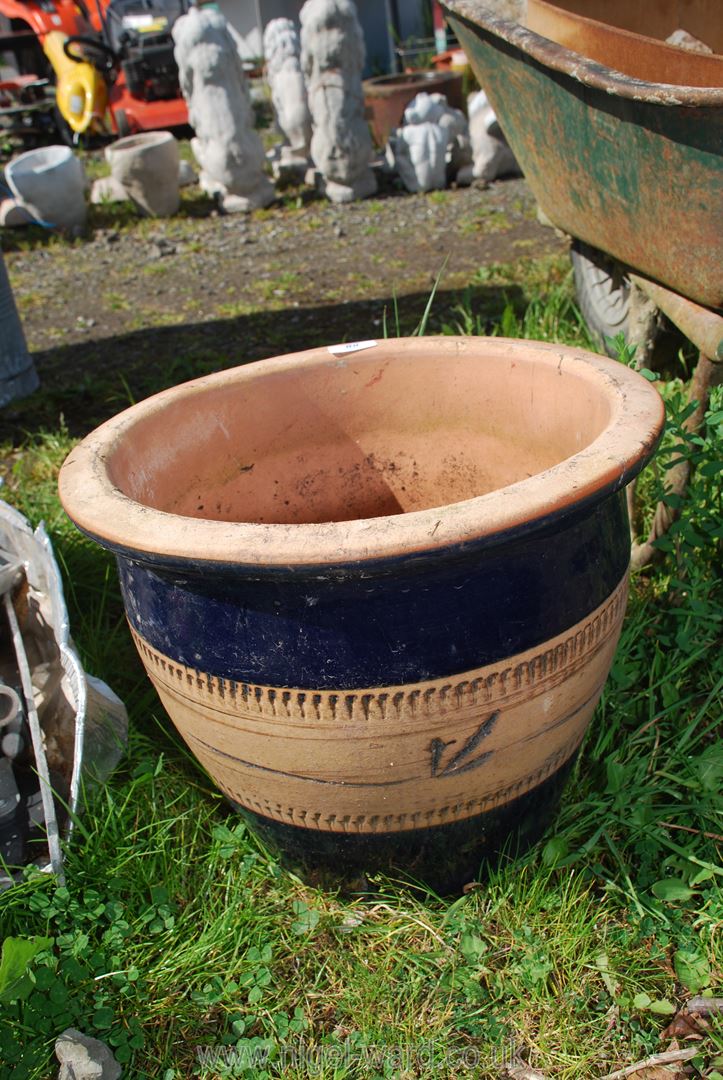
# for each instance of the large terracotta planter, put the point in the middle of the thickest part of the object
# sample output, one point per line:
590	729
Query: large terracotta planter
379	593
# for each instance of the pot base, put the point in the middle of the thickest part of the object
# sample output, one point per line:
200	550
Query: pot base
443	858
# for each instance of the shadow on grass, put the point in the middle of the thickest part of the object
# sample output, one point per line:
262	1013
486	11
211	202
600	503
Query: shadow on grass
83	384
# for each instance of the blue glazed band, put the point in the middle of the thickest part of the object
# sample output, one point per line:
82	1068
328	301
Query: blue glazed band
445	857
373	624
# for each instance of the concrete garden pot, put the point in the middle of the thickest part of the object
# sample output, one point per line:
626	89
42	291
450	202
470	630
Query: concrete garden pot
147	166
379	591
50	182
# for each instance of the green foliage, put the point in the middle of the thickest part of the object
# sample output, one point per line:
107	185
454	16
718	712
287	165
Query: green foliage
546	310
648	798
692	969
17	955
421	328
306	920
698	531
80	977
699	528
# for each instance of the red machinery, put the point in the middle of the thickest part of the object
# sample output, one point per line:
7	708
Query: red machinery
111	60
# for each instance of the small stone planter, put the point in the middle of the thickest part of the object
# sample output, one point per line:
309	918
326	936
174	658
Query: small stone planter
146	166
379	592
50	182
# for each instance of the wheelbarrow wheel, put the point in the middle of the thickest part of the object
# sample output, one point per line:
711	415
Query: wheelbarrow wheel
603	293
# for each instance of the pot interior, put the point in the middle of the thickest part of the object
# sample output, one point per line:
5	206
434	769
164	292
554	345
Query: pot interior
381	433
34	162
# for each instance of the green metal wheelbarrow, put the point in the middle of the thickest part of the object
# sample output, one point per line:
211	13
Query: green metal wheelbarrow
619	133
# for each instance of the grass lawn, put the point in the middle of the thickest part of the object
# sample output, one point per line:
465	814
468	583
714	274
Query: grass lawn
184	944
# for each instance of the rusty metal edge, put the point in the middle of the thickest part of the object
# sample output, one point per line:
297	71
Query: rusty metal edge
699	324
479	16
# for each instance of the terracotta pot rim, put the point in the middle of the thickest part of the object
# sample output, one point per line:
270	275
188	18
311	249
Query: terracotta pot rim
604	466
386	85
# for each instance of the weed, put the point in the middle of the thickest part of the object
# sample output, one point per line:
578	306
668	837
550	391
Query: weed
293	199
489	221
466	226
234	309
156	269
697	530
116	301
25	300
551	317
279	285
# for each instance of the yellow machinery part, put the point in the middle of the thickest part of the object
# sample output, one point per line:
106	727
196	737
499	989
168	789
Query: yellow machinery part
81	92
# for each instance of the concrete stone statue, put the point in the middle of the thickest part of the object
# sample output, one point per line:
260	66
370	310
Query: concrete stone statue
418	152
228	150
492	154
288	91
432	146
332	58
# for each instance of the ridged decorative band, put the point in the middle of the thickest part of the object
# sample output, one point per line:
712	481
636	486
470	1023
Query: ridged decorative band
395	757
485	686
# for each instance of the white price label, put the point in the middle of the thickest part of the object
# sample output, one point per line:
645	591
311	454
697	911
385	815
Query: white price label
351	346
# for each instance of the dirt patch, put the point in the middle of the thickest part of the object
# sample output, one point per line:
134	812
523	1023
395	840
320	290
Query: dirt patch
143	304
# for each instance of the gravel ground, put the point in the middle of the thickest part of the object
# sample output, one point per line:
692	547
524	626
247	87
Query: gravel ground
141	304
